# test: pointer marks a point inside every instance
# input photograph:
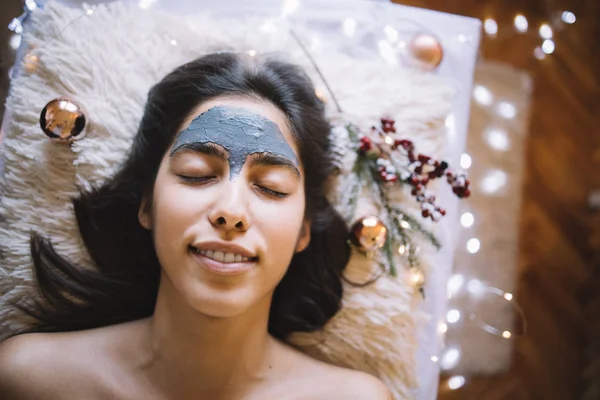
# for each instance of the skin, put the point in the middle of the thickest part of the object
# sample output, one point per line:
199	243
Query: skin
208	336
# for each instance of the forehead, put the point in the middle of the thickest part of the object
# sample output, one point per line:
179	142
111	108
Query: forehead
256	106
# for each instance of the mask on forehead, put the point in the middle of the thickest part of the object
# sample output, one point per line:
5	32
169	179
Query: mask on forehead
240	132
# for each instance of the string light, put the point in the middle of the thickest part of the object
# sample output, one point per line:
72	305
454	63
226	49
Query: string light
456	382
467	220
442	327
545	31
402	250
475	287
490	26
493	181
521	23
506	334
568	17
454	284
453	316
497	138
450	358
473	245
548	46
252	53
507	110
465	161
417	277
404	224
173	42
434	359
483	95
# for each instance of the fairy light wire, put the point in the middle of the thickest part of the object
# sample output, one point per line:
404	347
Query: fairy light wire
506	334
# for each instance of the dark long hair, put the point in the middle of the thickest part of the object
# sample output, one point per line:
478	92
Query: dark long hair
124	284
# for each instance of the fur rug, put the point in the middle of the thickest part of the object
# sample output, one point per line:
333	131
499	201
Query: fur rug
106	62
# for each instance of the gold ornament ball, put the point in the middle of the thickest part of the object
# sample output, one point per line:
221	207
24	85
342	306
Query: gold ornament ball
427	49
368	233
63	120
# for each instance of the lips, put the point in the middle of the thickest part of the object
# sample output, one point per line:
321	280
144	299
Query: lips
220	256
224	248
223	259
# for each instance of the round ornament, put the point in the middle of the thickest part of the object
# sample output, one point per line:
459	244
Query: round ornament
368	233
427	50
63	120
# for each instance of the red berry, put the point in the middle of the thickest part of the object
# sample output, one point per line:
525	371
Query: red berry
442	211
425	213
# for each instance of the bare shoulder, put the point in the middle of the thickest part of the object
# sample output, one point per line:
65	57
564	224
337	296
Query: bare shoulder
328	381
350	384
55	365
28	365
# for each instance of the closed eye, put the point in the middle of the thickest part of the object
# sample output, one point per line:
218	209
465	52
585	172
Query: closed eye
206	179
195	179
272	193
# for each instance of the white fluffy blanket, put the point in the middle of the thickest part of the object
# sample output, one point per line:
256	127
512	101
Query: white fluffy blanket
107	61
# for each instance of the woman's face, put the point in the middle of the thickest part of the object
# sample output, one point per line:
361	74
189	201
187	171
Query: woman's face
227	212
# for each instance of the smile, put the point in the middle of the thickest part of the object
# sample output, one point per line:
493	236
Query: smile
222	257
225	258
223	263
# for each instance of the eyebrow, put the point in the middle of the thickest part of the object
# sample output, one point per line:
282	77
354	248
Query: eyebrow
274	160
205	148
265	159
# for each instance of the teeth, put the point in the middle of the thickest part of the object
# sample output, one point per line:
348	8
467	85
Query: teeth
221	256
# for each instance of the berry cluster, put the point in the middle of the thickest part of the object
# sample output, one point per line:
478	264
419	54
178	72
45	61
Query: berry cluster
418	172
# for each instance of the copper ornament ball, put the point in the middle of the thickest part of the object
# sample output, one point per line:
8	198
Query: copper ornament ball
427	49
63	120
368	233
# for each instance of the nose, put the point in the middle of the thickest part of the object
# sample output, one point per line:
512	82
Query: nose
230	212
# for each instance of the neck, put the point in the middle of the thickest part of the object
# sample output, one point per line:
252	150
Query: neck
190	353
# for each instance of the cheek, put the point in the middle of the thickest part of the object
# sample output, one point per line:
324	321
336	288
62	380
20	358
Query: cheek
280	225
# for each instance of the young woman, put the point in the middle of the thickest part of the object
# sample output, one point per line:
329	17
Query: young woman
212	243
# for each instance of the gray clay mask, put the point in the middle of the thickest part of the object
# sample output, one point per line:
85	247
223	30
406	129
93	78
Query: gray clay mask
240	132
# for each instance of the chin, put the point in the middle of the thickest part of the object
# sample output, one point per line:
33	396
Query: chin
220	303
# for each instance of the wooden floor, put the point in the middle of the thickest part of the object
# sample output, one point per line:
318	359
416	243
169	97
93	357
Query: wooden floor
558	234
557	237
